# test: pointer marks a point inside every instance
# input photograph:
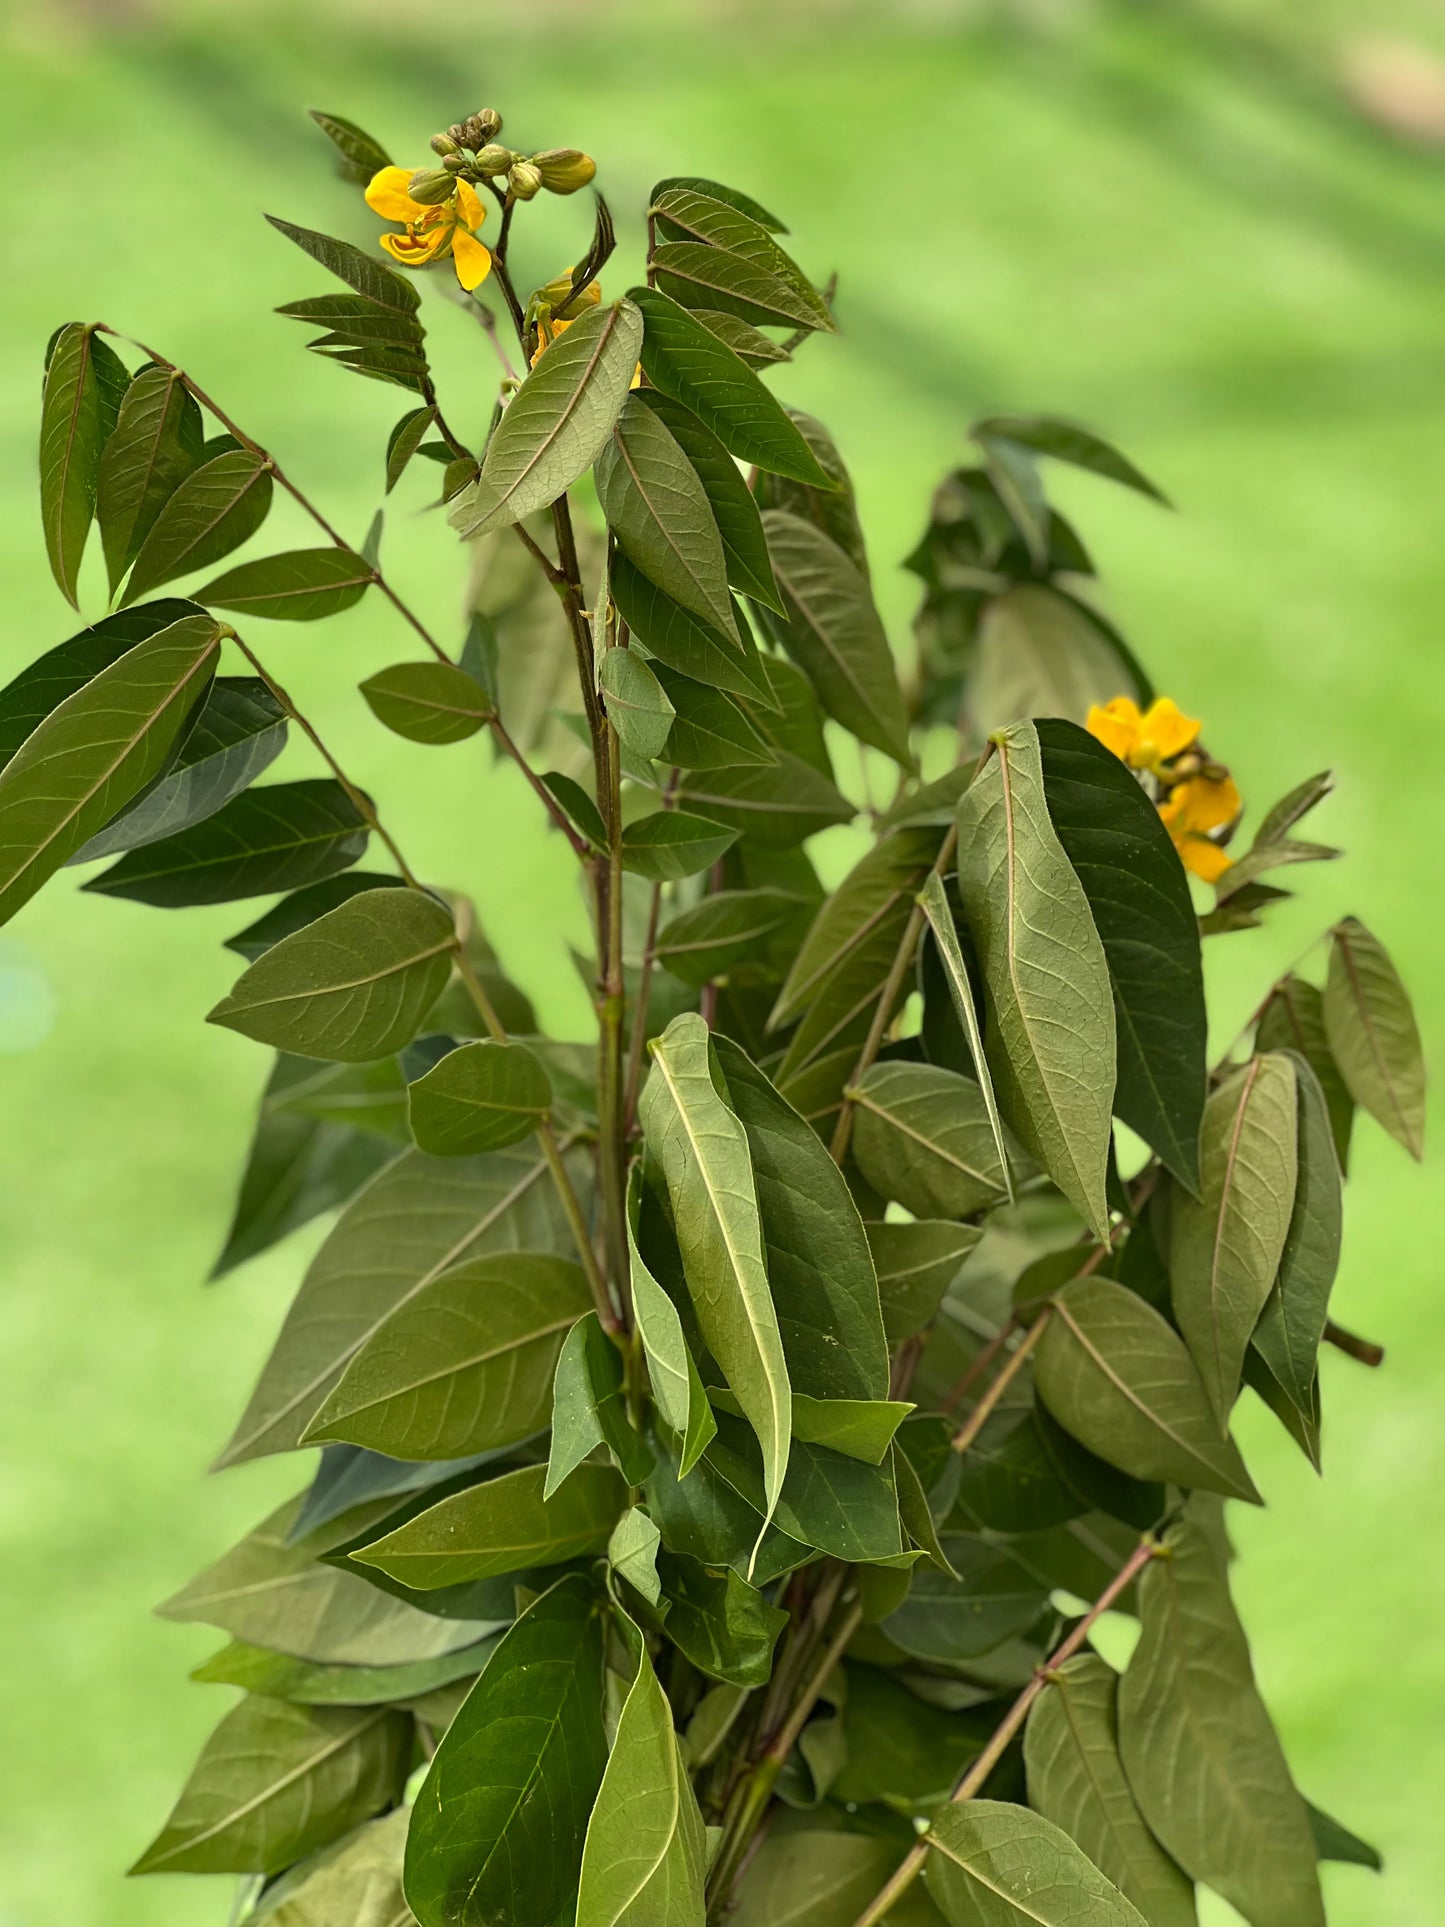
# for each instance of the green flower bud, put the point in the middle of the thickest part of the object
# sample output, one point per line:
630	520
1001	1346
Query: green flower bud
524	180
444	144
455	163
431	185
482	127
564	169
494	159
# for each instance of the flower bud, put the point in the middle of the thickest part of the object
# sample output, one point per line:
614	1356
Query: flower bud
564	169
524	180
494	159
455	163
482	127
444	144
431	185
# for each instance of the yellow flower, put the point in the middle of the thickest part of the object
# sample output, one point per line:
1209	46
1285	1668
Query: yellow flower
432	232
1146	740
1191	811
549	326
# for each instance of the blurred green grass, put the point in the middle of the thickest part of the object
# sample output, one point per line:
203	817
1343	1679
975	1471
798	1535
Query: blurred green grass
1164	221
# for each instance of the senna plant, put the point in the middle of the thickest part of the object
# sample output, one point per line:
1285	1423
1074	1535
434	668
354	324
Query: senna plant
733	1426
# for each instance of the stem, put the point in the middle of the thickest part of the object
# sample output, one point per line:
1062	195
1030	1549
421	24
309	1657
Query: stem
902	963
976	1775
638	1042
983	1363
611	1143
1364	1349
979	1416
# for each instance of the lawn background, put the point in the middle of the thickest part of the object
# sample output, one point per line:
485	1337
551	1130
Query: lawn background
1169	221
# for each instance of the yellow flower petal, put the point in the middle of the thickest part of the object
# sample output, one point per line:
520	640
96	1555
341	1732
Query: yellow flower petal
471	211
1116	725
417	250
387	195
471	260
1203	803
1164	731
1204	858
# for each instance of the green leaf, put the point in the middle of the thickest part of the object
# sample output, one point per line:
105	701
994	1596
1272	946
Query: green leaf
701	1149
349	1477
719	278
659	512
632	1552
304	585
727	659
637	704
1202	1757
683	358
354	985
673	843
405	441
1139	897
1224	1247
413	1222
428	702
479	1098
726	1627
217	507
1076	1780
583	812
305	906
995	1865
1047	983
1066	441
589	1407
777	806
277	1781
464	1365
922	1137
840	1505
1294	1019
303	1683
276	1592
363	272
499	1823
1041	654
748	343
1293	1320
709	1519
811	1879
900	1749
358	1880
693	214
240	732
361	156
502	1527
84	383
725	930
40	688
934	899
1334	1841
745	546
645	1857
278	837
916	1263
833	510
676	1386
709	729
987	1597
1119	1379
156	444
1373	1036
835	635
96	751
557	423
731	196
1009	1480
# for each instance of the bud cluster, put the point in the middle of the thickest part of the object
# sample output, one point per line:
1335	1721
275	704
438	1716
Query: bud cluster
470	149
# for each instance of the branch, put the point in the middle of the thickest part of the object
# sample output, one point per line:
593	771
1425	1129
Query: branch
1364	1349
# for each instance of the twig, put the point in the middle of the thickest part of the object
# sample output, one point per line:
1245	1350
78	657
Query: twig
1364	1349
979	1416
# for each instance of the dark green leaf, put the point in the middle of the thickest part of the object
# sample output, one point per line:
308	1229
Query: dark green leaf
724	1626
673	843
1293	1320
84	382
637	704
922	1138
745	547
502	1527
676	1387
1041	654
405	441
1334	1841
1201	1754
303	585
216	508
240	732
304	1683
479	1098
916	1263
899	1748
808	1879
1294	1019
748	343
699	276
1139	896
428	702
659	512
833	510
697	216
1008	1480
556	424
361	156
731	196
578	806
349	1476
156	444
1373	1035
1118	1377
778	805
589	1407
724	931
363	272
838	1504
936	907
727	658
498	1827
354	985
709	729
281	836
1066	441
305	906
948	1619
463	1365
96	751
357	320
276	1781
1003	1866
1050	1003
690	364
